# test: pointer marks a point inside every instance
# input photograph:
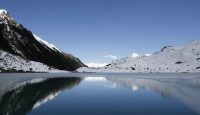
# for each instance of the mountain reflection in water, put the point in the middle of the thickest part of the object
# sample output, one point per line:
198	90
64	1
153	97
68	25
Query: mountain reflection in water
24	98
99	94
147	84
184	89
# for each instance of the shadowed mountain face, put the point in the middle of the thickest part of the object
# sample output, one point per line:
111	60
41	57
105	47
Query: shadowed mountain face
31	95
17	40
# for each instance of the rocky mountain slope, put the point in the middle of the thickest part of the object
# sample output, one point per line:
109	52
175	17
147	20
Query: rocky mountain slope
170	59
17	40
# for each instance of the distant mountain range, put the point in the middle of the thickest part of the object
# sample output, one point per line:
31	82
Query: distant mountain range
170	59
17	41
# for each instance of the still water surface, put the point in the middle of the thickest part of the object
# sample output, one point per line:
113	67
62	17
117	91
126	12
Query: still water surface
99	94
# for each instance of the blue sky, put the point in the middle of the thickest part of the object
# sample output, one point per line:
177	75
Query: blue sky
92	29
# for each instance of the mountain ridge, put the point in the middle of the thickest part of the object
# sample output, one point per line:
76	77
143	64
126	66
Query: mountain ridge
184	58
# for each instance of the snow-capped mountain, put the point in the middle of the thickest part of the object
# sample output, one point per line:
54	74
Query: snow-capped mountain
170	59
17	40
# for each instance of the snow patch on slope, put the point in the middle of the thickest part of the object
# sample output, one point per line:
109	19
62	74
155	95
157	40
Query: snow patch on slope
10	62
46	43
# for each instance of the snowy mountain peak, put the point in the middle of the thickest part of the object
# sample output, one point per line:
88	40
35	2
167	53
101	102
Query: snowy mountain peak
2	11
6	18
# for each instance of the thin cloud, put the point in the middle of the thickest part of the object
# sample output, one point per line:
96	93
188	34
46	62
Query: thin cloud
111	56
134	55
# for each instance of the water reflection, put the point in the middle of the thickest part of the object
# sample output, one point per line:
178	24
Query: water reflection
30	95
92	79
139	83
186	89
103	95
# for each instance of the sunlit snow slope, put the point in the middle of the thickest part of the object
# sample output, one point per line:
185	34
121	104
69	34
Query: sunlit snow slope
13	63
170	59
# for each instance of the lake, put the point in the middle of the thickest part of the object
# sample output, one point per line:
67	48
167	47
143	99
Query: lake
99	94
